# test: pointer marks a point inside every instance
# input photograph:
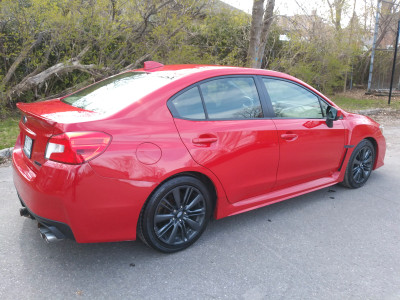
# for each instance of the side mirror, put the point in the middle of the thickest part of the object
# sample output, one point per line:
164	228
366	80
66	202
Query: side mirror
331	115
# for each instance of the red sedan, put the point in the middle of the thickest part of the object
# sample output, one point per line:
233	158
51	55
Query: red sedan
156	152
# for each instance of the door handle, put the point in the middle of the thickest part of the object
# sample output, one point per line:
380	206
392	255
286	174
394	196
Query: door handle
205	140
289	136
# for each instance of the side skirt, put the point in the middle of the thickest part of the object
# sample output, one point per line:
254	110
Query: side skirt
280	195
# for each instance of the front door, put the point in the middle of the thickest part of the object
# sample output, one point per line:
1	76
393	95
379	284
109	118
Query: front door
309	149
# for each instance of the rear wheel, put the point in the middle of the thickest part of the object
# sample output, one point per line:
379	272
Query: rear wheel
360	165
176	215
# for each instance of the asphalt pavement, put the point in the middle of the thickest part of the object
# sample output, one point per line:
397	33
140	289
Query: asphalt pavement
334	243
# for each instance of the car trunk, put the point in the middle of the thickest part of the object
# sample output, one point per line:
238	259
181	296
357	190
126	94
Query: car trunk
41	120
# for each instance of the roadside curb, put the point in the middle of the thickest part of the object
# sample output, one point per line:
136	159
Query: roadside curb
6	153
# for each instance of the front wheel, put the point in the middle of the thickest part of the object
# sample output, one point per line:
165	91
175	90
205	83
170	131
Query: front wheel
360	165
176	215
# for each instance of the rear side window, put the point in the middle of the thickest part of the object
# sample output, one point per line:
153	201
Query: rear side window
231	98
189	105
292	101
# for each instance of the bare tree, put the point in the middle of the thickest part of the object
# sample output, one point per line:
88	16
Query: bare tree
260	27
336	10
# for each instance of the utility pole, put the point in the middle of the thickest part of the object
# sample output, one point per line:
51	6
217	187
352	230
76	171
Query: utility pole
371	65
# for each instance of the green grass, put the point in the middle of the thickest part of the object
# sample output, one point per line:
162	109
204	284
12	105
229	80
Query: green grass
351	104
9	131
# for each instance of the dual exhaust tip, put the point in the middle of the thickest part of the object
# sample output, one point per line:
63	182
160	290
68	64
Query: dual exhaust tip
45	233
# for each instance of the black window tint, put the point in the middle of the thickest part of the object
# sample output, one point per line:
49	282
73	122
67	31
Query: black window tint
189	105
231	98
292	101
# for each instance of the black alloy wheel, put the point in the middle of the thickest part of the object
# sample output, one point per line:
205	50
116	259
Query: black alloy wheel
360	165
176	214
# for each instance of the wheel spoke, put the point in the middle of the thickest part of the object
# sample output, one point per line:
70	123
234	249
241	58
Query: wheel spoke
196	200
362	154
172	237
367	154
177	196
184	233
165	203
162	218
356	170
165	229
368	161
357	175
193	224
188	193
197	212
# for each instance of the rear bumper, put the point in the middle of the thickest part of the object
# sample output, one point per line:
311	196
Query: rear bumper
78	202
60	230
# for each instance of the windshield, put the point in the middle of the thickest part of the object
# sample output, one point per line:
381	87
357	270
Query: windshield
117	92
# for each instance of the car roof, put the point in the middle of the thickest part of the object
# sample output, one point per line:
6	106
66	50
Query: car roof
196	72
191	69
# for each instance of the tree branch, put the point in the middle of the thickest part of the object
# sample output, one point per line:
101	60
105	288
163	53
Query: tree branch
24	53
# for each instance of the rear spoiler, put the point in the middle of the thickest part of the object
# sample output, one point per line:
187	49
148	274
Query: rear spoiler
24	108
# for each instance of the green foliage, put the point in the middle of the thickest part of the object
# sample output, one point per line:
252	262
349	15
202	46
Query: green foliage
216	38
104	36
319	54
318	64
9	131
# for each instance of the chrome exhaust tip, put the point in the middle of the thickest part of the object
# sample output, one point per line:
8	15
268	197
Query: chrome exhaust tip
47	235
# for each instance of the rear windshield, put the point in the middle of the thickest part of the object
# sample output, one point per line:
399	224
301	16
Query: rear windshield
117	92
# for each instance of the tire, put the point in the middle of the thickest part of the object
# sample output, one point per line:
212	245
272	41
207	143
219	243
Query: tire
360	165
175	215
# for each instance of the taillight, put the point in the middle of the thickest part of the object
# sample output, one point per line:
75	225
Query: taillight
77	147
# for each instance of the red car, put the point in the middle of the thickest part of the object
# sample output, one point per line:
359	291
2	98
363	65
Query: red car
156	152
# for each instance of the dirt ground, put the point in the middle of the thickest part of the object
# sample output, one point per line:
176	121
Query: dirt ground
386	117
357	93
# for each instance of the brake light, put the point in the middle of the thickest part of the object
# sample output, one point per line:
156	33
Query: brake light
77	147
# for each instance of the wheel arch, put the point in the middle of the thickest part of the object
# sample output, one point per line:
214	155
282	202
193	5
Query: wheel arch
376	148
198	175
204	179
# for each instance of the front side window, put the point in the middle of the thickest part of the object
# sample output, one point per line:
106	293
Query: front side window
231	98
292	101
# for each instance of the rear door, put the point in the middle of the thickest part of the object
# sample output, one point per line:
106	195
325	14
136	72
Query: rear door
221	122
309	149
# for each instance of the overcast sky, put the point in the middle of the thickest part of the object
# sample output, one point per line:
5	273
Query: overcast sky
291	7
285	7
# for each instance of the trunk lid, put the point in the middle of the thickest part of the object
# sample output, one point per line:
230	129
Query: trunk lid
41	120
